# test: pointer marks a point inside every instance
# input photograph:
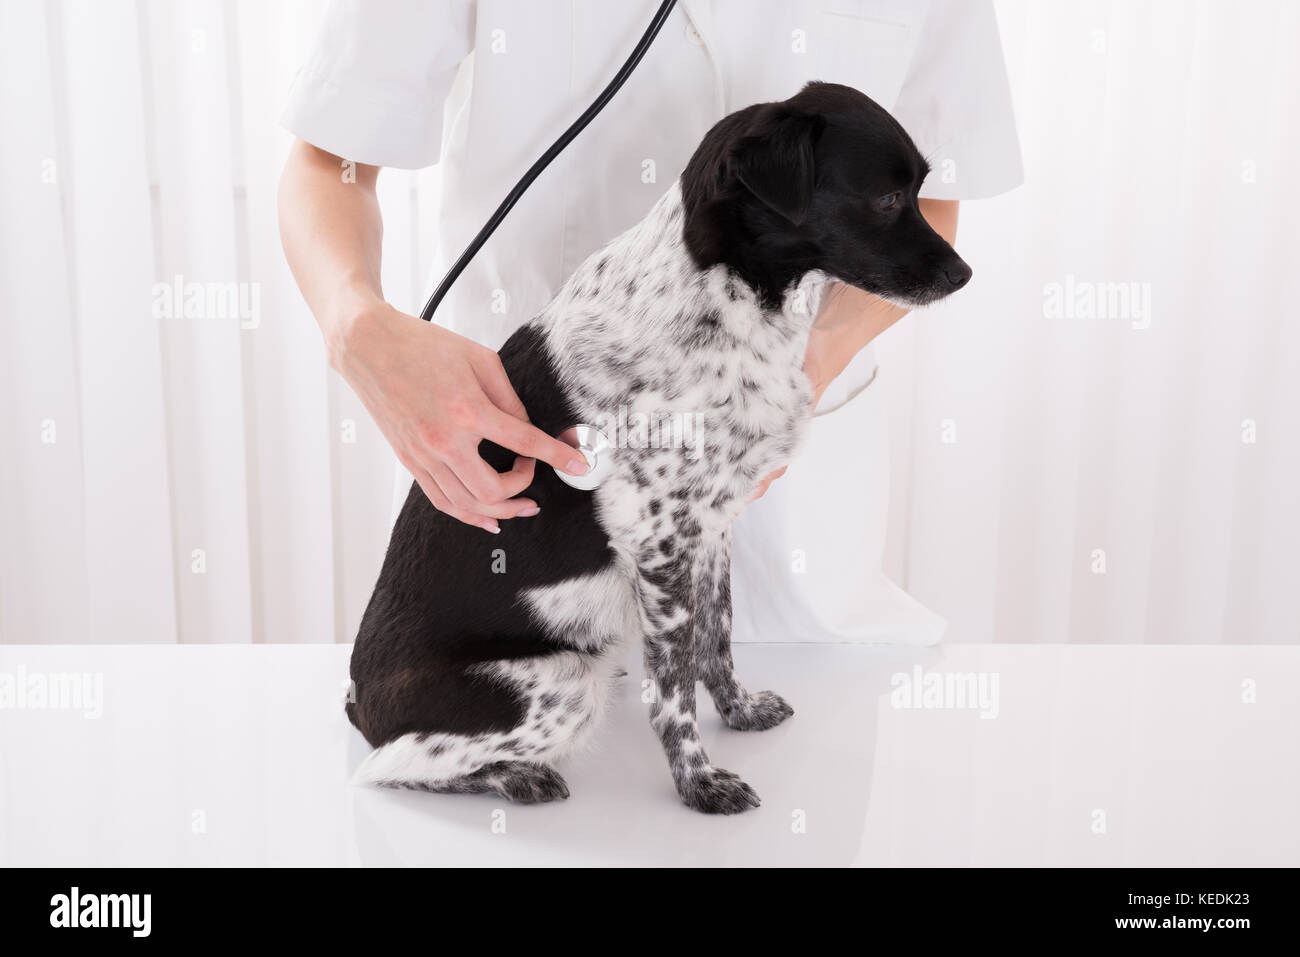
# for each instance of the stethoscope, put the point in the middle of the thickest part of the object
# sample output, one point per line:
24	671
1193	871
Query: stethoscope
596	448
589	440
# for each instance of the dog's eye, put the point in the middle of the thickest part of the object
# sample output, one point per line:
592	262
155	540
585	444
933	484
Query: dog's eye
888	203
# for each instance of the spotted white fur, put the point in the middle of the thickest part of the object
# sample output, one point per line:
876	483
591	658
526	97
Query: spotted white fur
587	612
711	349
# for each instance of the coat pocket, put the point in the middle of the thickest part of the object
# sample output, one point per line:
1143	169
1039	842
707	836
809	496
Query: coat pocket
868	52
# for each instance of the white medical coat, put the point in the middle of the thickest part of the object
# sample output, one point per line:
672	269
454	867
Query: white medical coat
807	561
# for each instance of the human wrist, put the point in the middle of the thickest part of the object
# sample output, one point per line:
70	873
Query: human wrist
850	318
358	314
831	349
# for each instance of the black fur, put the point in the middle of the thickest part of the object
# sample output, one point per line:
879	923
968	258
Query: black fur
777	189
437	579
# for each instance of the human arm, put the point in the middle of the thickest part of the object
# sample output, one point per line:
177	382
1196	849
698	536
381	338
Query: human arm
850	318
435	395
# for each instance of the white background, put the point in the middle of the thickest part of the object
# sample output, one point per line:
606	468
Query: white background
141	141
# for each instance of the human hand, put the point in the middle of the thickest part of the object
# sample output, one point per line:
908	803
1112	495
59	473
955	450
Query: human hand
816	366
435	396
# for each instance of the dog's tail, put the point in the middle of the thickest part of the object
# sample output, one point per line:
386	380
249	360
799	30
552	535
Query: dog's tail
456	765
408	762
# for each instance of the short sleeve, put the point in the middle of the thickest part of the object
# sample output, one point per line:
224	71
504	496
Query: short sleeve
373	88
956	103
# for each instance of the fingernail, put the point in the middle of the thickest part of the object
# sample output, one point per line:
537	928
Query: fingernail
577	467
492	527
529	512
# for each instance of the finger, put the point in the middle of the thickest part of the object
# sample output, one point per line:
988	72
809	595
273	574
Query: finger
496	386
523	439
463	498
520	476
764	485
485	483
439	499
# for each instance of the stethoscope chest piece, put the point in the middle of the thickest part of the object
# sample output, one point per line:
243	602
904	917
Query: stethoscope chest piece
596	448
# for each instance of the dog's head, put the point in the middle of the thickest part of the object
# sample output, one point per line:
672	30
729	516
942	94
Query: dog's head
825	180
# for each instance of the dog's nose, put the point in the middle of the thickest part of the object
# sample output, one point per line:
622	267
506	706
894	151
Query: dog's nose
958	274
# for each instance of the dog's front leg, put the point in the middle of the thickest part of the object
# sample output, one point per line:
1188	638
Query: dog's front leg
739	709
666	596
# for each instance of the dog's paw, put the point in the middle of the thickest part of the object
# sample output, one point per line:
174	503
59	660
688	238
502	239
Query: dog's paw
758	712
525	782
715	791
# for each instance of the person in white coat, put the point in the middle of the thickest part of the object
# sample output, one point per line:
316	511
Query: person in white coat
484	87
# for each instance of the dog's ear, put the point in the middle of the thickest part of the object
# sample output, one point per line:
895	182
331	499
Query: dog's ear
775	161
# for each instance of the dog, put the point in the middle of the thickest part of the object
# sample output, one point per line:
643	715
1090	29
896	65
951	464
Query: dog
481	661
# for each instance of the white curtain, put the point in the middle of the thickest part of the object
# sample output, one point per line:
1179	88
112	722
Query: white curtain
1127	477
201	479
1121	479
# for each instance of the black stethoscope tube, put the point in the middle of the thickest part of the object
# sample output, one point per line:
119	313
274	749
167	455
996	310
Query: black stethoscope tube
544	160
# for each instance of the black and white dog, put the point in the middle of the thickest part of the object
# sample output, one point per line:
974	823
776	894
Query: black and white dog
469	677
